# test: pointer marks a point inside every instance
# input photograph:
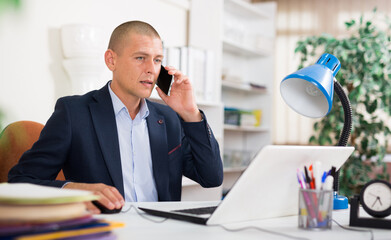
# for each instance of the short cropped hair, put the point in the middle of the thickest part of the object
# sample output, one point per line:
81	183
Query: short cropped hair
122	31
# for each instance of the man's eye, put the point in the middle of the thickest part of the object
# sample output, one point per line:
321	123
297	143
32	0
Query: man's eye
158	60
139	58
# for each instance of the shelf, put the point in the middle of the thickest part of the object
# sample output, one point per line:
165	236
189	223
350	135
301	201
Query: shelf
244	9
243	87
236	48
209	104
229	127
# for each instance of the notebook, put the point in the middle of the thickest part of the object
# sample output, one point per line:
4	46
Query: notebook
32	194
268	188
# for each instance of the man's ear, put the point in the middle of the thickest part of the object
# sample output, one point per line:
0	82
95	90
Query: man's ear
110	58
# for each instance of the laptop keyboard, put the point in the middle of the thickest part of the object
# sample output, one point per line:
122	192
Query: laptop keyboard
198	211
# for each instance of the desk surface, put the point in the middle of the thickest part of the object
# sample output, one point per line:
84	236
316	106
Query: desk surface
138	227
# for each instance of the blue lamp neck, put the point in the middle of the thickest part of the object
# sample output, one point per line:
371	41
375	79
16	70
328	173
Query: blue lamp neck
330	62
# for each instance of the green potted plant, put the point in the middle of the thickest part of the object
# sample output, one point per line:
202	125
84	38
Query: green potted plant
365	74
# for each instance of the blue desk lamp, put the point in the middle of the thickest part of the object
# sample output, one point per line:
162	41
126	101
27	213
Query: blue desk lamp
309	91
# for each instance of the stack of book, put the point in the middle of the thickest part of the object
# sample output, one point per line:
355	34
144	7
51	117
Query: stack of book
29	212
242	118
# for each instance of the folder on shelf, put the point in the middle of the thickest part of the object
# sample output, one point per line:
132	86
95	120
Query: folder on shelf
174	57
196	70
210	78
184	60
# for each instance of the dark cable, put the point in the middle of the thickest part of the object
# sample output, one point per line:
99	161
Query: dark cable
355	229
260	229
142	214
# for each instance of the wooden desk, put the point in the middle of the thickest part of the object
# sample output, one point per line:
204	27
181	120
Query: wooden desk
139	228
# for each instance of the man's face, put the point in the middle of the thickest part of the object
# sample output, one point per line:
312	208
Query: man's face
137	65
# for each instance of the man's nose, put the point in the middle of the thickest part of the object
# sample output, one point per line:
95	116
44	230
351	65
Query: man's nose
151	67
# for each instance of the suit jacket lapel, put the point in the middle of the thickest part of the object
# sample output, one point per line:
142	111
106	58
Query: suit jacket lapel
103	118
159	151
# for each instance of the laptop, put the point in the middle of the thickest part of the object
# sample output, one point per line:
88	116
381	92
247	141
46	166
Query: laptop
268	188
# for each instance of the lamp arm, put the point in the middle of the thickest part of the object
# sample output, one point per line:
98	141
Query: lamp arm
347	127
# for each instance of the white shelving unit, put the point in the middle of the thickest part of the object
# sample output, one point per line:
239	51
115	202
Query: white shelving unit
241	35
247	59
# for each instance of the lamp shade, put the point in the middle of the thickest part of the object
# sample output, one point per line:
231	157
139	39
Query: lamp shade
309	91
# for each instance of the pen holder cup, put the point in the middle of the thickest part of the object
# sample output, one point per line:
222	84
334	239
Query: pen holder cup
315	209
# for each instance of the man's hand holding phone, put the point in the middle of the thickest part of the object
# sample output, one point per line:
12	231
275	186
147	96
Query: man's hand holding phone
181	98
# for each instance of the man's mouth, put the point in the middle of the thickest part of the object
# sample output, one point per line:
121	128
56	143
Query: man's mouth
148	82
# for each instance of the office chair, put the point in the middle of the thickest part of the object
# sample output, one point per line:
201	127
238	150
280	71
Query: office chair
15	139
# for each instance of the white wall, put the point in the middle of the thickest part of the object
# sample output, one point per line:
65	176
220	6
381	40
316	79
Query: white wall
31	74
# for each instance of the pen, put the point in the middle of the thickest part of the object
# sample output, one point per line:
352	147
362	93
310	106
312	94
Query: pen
307	177
316	185
324	205
324	177
317	177
332	173
307	200
300	179
312	183
328	183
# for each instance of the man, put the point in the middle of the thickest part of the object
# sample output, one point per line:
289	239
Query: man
118	144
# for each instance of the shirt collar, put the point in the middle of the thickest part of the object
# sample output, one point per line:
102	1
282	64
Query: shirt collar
119	106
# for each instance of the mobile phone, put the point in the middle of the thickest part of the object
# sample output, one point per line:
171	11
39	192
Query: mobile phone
164	80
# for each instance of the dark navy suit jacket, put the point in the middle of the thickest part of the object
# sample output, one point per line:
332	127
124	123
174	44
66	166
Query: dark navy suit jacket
81	138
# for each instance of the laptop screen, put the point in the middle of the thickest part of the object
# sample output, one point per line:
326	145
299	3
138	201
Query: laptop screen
269	188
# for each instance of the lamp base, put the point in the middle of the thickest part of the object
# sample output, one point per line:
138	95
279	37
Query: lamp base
340	202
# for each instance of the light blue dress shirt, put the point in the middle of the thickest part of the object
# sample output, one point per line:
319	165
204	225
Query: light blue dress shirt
135	151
